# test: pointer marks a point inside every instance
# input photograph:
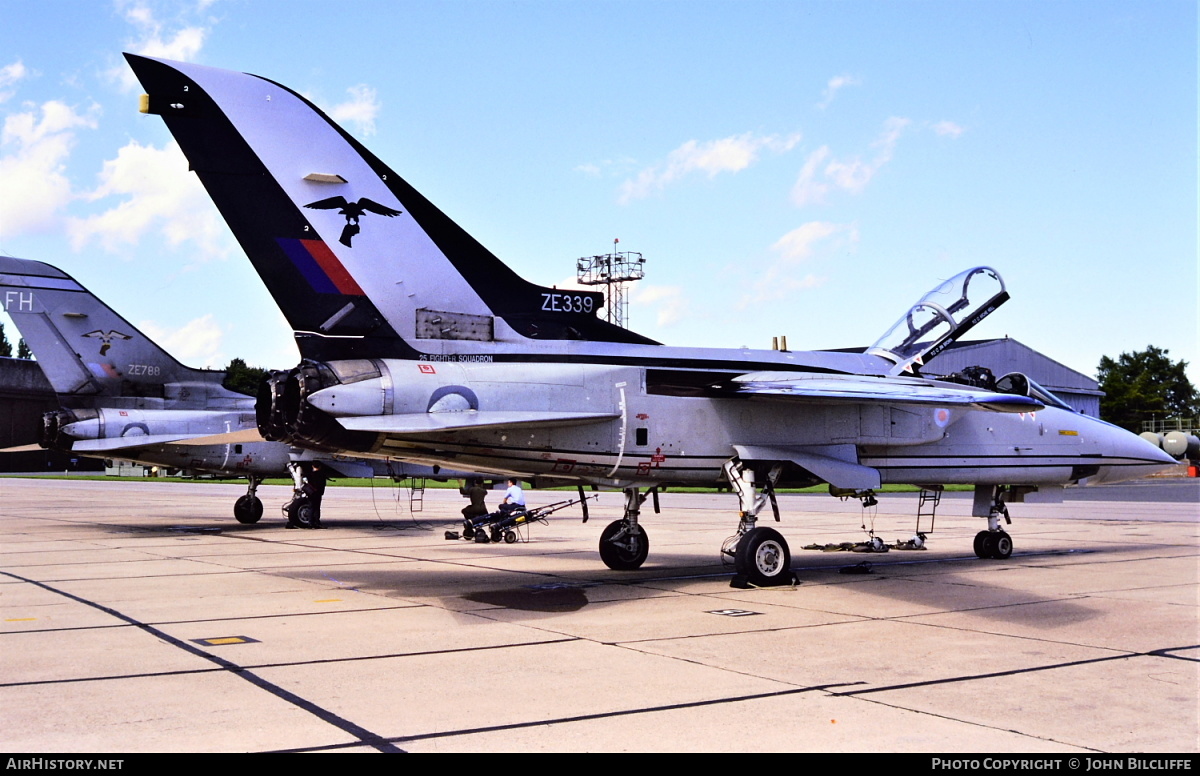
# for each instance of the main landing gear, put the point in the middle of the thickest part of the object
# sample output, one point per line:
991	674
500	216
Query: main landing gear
995	541
761	556
248	508
624	544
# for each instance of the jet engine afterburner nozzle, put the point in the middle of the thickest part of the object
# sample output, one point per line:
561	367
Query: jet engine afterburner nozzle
55	422
268	408
285	415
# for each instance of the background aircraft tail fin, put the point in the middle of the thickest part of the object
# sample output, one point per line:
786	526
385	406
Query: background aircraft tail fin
361	264
86	349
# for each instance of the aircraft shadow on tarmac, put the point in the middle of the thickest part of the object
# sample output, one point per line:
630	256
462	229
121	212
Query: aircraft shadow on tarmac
937	585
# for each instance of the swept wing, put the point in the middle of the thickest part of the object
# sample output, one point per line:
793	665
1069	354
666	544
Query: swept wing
863	388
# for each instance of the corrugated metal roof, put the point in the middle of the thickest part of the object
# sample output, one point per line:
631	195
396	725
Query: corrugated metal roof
1009	355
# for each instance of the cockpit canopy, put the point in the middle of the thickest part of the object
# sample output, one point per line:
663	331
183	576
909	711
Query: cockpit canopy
1022	385
940	317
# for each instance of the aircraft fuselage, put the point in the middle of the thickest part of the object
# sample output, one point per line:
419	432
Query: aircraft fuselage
633	428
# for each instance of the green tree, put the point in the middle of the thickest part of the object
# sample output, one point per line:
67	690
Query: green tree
1143	386
242	378
5	346
23	350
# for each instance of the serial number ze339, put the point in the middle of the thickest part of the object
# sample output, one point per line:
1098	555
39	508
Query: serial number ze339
567	303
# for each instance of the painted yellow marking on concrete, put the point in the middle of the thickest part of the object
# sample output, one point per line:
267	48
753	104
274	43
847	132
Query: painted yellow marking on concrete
223	640
20	619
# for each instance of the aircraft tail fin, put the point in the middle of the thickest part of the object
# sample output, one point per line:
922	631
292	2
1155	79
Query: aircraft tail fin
361	264
86	349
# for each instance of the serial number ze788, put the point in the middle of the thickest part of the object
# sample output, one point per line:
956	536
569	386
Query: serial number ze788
148	370
567	303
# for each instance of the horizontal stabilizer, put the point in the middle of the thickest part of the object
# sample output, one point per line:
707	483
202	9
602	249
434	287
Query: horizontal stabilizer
889	390
835	464
227	438
127	442
33	448
438	422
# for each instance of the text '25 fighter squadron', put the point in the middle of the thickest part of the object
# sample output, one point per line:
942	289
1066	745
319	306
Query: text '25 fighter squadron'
419	343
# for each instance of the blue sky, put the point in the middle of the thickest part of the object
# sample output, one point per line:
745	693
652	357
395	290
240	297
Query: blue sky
799	168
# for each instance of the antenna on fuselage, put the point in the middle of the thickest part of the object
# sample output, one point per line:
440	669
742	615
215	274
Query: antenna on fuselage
614	270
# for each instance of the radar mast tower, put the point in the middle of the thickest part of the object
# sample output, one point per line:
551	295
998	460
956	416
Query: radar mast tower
614	270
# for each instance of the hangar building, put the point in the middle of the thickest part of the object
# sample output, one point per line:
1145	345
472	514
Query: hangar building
1007	355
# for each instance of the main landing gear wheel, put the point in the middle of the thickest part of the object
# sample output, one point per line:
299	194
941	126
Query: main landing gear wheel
302	514
623	550
1002	546
980	538
248	509
993	544
763	558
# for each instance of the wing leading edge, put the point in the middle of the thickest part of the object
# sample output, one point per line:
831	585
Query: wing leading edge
889	390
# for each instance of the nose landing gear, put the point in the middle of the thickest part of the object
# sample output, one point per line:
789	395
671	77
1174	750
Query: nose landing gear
624	544
995	542
248	508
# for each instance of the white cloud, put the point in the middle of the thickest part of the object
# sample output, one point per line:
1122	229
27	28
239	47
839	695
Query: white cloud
668	301
777	285
155	40
9	76
362	108
892	129
35	187
798	244
607	167
730	154
196	344
835	85
158	193
780	278
808	190
947	129
849	175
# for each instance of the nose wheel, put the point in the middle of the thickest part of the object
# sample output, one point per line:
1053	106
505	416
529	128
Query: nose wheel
624	544
248	509
624	547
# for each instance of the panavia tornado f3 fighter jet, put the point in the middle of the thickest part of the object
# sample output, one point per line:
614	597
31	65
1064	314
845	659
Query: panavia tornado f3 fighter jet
420	343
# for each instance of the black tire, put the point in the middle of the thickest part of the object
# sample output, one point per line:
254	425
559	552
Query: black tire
468	530
481	537
978	546
510	537
301	513
988	544
628	555
763	558
248	509
1002	546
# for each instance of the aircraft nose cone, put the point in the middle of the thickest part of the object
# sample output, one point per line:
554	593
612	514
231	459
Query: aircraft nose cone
1127	456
